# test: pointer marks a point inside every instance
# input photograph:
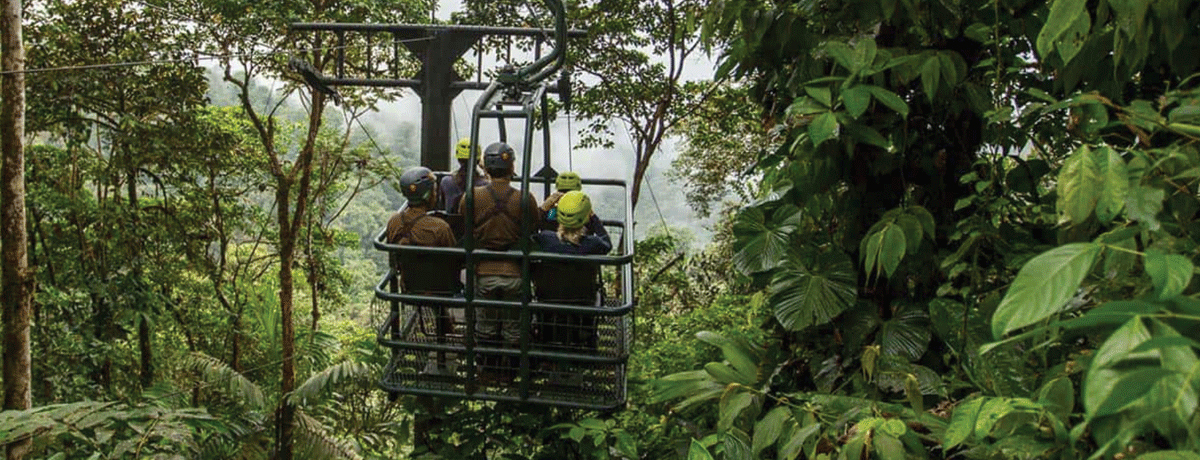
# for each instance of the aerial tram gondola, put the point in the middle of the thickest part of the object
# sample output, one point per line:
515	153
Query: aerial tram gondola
576	316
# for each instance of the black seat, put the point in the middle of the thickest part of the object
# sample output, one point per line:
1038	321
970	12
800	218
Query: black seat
434	275
572	283
454	220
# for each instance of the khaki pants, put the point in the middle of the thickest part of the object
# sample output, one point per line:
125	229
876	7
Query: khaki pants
495	324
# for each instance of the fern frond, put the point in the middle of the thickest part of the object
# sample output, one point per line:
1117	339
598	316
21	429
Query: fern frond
316	441
225	378
328	378
319	348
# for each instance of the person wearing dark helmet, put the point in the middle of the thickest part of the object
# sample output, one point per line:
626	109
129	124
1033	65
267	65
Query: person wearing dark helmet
581	233
497	217
454	185
413	226
423	274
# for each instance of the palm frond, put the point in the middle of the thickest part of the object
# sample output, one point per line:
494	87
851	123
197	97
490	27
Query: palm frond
315	440
326	379
225	378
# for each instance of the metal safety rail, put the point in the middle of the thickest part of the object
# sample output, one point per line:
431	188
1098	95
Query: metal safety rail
435	351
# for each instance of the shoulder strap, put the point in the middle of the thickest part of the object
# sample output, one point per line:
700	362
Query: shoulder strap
406	228
500	206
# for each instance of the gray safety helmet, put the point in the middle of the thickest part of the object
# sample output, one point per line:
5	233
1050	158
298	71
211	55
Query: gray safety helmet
417	184
498	156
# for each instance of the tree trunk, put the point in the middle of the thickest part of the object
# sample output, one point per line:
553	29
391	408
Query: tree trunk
147	352
287	248
289	230
17	285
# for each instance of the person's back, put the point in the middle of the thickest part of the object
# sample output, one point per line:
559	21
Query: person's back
414	226
497	215
453	186
579	232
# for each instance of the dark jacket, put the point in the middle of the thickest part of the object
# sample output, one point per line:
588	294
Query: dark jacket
596	241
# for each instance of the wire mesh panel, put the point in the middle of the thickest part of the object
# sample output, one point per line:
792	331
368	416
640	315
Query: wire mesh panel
494	376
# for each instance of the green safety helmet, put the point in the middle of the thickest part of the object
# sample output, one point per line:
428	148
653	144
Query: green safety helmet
462	150
498	156
568	181
574	208
417	184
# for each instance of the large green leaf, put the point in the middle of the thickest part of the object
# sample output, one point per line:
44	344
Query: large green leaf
906	335
1143	205
737	445
731	406
1114	183
761	245
892	248
856	98
888	98
806	297
931	76
767	430
738	353
1043	286
697	452
1079	185
1171	273
1101	379
1129	388
1058	396
962	423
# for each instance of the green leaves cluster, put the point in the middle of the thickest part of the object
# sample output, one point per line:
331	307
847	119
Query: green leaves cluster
900	231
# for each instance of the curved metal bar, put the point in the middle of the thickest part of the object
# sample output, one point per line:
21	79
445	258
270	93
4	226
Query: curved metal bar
538	70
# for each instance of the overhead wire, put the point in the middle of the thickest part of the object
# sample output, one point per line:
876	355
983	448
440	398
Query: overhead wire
646	182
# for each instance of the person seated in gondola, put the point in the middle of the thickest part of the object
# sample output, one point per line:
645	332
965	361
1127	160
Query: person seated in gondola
497	215
454	185
579	232
424	274
413	225
565	182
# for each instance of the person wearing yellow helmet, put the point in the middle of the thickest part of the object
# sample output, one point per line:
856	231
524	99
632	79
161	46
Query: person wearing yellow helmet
454	185
565	182
579	232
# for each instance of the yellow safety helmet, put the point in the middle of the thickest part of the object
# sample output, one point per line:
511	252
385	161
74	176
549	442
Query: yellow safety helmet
568	181
574	208
462	150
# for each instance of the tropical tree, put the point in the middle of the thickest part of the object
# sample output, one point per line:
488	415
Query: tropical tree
15	278
634	69
929	152
237	30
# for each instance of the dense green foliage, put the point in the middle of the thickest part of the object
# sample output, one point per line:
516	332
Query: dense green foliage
950	175
964	229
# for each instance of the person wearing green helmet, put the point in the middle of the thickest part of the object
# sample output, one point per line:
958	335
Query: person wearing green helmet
579	230
565	182
581	233
454	185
